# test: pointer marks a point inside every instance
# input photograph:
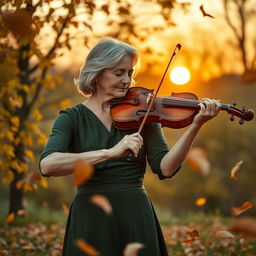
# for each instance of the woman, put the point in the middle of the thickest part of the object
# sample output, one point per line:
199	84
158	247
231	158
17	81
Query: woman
85	132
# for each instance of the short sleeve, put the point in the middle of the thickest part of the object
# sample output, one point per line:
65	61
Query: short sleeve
156	148
60	138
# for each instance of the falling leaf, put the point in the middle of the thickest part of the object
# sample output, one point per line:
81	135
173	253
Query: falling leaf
200	201
85	247
245	226
235	170
82	172
204	13
132	249
224	234
197	159
65	208
244	207
102	202
21	212
10	218
193	233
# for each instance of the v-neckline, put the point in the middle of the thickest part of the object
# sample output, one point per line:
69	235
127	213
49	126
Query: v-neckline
99	120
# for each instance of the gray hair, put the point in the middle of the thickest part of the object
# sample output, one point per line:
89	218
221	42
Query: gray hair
105	55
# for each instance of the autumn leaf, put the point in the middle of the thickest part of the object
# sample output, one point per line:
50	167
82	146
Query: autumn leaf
65	208
10	218
188	241
224	234
82	172
200	201
244	226
236	211
132	249
85	247
21	212
198	161
235	169
102	202
193	233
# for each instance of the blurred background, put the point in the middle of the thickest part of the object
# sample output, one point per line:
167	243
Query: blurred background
43	45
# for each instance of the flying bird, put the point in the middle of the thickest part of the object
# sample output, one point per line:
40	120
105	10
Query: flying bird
204	13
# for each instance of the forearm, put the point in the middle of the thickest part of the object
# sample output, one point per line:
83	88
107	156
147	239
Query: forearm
176	155
61	164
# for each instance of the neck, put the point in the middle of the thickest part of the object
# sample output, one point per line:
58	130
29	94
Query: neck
98	103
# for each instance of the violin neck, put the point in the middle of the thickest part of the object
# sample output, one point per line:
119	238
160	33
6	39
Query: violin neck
189	103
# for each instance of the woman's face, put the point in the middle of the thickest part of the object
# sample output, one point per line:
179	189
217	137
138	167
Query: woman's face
114	82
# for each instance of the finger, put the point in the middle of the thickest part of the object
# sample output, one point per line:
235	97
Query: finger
202	107
210	106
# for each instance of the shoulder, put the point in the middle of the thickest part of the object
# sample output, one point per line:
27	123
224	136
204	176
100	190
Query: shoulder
74	113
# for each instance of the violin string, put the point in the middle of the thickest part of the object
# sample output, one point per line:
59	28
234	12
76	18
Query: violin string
179	102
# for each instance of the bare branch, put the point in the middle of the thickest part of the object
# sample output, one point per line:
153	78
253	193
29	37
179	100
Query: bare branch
48	55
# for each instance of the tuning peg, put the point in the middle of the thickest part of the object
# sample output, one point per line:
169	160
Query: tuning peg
234	103
232	118
241	121
243	108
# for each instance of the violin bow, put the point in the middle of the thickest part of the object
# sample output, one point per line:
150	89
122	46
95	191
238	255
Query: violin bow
175	52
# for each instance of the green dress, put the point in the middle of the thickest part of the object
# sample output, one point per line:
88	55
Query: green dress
133	219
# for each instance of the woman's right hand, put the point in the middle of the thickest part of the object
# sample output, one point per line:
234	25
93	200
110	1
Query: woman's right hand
132	143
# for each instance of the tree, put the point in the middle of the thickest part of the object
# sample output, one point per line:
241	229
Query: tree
245	11
32	35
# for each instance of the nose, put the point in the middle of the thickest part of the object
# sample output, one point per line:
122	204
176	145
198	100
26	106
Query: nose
126	79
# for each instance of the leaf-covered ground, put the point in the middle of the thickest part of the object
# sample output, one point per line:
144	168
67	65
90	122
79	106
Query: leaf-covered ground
193	239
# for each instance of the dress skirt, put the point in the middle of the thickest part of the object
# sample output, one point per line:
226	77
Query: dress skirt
133	220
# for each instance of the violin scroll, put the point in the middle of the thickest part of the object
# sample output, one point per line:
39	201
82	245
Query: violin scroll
245	115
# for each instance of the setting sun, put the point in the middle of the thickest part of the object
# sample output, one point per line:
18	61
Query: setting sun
180	75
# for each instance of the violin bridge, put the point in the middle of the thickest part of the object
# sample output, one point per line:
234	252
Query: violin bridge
150	96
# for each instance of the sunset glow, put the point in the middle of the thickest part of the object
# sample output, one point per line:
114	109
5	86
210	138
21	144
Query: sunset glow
180	75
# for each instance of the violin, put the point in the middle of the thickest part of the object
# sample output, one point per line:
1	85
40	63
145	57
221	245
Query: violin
175	111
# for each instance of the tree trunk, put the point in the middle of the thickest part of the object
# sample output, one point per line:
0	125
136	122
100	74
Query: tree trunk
16	195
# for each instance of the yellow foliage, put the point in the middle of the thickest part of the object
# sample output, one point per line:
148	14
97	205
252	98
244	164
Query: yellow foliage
41	139
9	135
28	141
16	101
18	166
49	83
15	120
20	184
25	88
9	150
37	115
65	103
35	187
29	154
43	182
8	177
27	187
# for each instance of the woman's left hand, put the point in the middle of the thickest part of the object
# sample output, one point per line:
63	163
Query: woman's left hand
209	109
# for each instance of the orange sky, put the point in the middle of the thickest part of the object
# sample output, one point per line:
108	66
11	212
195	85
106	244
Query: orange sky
193	31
